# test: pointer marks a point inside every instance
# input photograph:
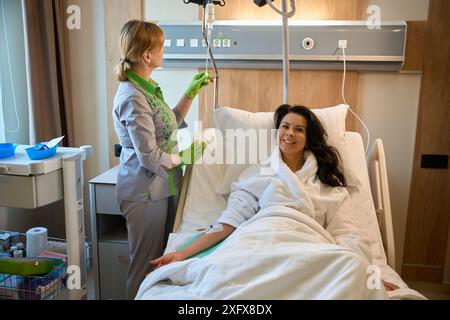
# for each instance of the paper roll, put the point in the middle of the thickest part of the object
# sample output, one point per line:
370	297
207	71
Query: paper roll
37	241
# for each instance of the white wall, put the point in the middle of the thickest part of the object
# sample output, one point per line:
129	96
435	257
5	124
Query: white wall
389	104
169	10
88	79
88	84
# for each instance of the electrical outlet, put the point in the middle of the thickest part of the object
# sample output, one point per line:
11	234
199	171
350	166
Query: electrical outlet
434	161
342	44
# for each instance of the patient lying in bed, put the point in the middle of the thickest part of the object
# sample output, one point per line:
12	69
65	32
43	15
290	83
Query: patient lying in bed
302	183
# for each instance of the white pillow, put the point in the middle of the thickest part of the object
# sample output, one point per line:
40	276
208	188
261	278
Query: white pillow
332	118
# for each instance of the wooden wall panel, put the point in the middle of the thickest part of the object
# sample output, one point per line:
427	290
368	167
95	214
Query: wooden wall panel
429	205
262	90
117	13
419	273
415	45
306	10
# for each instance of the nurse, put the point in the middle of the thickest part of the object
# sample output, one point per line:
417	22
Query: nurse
150	165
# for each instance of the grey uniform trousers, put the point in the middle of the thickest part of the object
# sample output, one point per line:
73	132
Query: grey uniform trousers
149	224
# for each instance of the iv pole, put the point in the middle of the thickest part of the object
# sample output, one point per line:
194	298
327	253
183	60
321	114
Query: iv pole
204	3
285	36
285	22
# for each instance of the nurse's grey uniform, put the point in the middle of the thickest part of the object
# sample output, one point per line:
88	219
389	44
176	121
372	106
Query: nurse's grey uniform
147	199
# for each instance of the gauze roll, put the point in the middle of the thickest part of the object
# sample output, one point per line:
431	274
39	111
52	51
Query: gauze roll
37	241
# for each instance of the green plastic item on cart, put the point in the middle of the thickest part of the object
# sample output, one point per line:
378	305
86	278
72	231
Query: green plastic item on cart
26	266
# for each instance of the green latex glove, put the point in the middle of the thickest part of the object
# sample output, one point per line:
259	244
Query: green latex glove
199	81
193	153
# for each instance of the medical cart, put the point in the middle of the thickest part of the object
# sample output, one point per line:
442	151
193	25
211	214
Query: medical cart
30	184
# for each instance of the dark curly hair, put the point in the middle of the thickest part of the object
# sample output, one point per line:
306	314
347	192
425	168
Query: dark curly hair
328	159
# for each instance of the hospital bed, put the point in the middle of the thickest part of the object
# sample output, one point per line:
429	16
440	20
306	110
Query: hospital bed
199	206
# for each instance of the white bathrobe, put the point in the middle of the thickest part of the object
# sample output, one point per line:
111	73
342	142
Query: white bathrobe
273	183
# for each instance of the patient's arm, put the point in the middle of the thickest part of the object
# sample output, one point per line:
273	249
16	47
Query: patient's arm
206	241
242	205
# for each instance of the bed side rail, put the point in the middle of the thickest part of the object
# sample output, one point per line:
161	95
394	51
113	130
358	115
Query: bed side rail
182	197
380	193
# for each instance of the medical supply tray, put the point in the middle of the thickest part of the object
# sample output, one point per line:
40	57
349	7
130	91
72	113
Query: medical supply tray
44	287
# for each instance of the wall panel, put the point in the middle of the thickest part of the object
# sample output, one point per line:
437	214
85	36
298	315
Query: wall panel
429	205
306	10
415	46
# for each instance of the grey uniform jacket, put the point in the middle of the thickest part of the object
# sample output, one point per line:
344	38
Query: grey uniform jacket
139	127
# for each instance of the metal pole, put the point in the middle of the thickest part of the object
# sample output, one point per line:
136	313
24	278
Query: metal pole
74	214
285	54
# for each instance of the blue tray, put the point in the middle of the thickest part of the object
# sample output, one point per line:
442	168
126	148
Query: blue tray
7	150
40	152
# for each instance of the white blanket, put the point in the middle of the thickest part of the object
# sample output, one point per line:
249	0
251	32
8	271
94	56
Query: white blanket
282	252
278	254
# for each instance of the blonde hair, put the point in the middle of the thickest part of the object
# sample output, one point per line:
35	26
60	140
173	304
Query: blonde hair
136	37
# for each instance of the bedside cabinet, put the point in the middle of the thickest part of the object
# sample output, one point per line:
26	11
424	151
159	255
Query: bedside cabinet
109	238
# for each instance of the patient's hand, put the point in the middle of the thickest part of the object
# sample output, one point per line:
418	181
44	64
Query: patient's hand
166	259
390	286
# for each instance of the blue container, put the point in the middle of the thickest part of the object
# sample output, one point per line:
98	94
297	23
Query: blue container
7	150
41	151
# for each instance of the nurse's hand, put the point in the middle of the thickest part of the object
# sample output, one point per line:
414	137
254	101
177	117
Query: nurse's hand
192	153
201	80
166	259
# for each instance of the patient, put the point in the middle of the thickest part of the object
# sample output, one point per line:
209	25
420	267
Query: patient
302	147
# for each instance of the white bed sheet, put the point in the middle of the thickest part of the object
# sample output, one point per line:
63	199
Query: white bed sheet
203	207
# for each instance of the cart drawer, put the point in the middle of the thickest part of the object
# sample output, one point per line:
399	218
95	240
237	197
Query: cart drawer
105	195
113	266
31	192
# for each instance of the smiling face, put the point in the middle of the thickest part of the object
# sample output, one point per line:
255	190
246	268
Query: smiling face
292	135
